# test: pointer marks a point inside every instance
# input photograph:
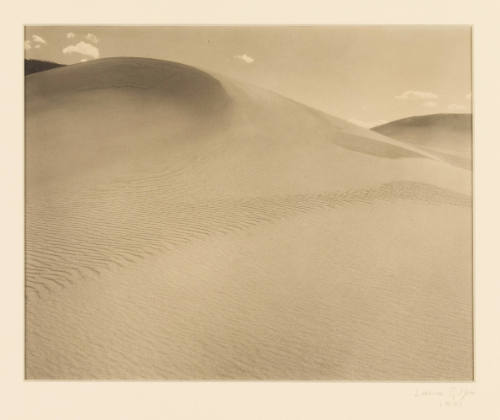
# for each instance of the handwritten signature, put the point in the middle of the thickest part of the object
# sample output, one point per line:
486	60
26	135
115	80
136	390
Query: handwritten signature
454	396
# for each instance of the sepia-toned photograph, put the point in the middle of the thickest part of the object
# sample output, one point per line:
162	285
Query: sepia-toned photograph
257	203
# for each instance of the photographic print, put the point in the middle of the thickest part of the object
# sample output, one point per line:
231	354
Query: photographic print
264	203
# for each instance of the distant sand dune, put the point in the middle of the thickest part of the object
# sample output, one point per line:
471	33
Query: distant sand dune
181	225
448	136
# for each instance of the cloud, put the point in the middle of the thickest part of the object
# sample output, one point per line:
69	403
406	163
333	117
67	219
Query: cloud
39	39
83	60
430	104
92	38
416	94
37	46
455	107
27	45
70	35
83	48
244	57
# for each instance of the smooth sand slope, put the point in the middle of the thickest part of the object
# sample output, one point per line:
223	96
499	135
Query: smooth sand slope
448	136
181	225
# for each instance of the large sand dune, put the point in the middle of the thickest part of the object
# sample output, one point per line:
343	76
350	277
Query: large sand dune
181	225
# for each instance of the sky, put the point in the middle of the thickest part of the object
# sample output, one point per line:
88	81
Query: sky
368	75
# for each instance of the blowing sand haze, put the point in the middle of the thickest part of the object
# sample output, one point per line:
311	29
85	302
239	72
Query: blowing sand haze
219	208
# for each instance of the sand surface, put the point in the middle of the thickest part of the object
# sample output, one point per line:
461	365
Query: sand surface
181	225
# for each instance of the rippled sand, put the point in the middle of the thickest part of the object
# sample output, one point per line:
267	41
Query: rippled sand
186	226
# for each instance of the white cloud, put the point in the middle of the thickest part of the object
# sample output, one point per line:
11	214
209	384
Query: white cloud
468	96
92	38
83	60
83	48
37	46
39	39
430	104
27	45
455	107
70	35
416	94
244	57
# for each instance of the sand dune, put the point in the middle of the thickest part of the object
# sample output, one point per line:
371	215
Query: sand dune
181	225
448	136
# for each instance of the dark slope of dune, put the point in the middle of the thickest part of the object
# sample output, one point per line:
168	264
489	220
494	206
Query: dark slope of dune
182	225
446	135
35	66
168	80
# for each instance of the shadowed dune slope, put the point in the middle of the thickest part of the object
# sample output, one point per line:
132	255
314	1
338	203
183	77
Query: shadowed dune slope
446	135
35	66
175	81
183	225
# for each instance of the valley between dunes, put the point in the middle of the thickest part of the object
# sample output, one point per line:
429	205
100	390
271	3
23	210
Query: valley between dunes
182	225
